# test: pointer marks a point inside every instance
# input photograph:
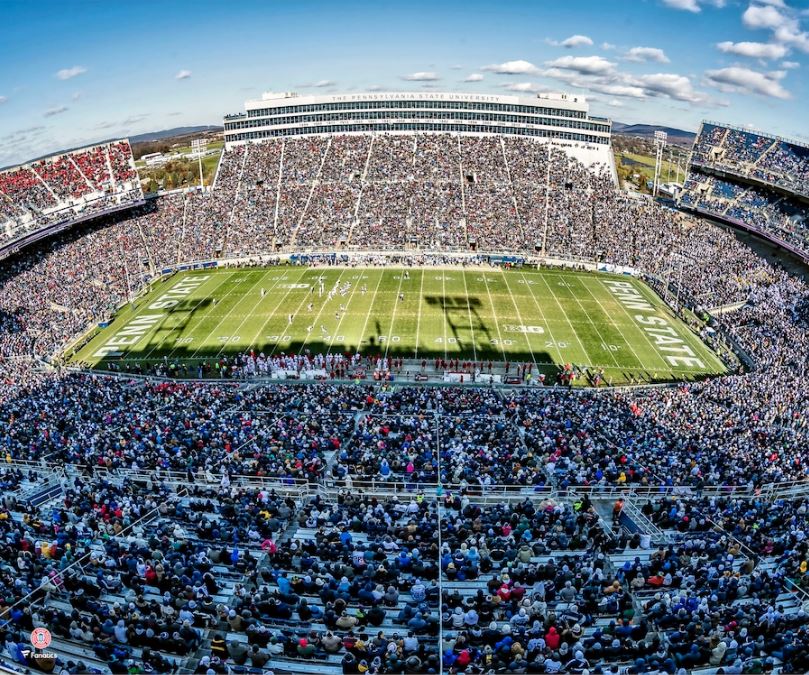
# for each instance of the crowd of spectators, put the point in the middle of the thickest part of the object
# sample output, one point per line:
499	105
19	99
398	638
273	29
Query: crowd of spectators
752	155
137	575
756	207
51	293
67	186
748	429
355	587
130	575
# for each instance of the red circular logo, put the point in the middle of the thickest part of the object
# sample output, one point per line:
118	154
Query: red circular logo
40	638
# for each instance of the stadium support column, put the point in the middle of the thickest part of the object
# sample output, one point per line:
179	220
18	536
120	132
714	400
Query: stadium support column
547	200
660	143
439	494
126	273
673	259
198	146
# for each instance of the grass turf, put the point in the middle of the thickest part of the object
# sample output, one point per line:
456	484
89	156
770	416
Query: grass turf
547	317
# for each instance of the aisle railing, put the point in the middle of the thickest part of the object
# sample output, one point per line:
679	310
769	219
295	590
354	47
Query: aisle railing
327	485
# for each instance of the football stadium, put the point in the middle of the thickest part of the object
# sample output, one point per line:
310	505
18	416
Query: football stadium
417	383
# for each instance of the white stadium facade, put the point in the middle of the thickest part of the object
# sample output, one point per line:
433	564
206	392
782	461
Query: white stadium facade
560	118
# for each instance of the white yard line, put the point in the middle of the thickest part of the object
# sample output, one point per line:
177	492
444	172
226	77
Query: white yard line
225	278
225	318
305	298
370	309
395	307
251	313
444	309
519	316
469	314
496	320
271	315
564	313
595	326
418	318
348	309
320	311
617	327
544	318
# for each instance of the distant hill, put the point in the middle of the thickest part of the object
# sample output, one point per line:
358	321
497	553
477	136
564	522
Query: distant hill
676	136
170	133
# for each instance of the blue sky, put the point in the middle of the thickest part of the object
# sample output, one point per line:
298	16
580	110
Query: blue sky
76	72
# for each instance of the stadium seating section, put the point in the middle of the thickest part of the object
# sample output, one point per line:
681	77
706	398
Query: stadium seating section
66	187
229	526
748	160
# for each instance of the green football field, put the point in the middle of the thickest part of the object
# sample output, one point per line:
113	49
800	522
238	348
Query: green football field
547	317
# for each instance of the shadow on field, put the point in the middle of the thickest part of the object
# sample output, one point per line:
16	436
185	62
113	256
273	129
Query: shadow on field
461	348
175	320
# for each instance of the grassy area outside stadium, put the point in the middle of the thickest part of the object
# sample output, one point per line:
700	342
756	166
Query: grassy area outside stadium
546	317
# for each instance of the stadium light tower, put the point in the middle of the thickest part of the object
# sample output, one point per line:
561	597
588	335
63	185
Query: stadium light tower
198	146
660	144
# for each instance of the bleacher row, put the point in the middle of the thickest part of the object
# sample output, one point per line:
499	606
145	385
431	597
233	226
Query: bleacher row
444	190
778	216
204	578
747	159
63	187
754	155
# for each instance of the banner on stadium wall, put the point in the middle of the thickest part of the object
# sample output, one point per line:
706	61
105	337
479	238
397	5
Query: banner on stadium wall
456	378
616	269
506	260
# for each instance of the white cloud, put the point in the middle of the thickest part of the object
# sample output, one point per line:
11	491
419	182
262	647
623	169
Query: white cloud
513	68
783	21
183	75
686	5
474	77
627	90
591	65
55	110
134	119
615	83
607	46
767	16
753	50
790	65
421	76
70	73
738	80
694	6
524	87
577	41
320	84
76	95
671	85
3	99
615	103
644	54
572	42
793	37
